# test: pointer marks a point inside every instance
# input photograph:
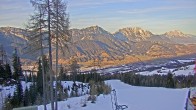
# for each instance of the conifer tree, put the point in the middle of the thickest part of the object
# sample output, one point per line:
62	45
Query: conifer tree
32	93
2	72
7	105
26	97
170	81
17	66
38	99
8	71
40	79
74	69
17	99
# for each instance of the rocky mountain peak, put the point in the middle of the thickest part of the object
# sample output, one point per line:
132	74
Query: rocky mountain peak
175	33
135	33
95	30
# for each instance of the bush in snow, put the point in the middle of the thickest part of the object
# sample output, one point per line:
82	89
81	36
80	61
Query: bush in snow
93	92
83	102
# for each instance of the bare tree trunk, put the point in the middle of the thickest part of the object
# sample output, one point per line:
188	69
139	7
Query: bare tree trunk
56	105
50	57
57	28
43	68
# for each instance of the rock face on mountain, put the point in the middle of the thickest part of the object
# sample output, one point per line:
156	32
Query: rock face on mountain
178	37
96	43
133	34
175	33
93	41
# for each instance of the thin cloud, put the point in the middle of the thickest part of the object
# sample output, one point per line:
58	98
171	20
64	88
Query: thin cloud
82	3
155	9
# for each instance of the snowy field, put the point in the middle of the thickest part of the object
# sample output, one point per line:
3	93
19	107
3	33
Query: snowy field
144	67
136	98
188	70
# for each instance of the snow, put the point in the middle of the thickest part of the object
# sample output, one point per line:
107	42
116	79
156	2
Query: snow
9	90
186	61
188	70
151	98
70	83
136	98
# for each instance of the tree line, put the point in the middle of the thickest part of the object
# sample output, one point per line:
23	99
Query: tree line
169	80
33	95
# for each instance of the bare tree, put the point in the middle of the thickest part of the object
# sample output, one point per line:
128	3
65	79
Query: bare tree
59	26
37	24
51	19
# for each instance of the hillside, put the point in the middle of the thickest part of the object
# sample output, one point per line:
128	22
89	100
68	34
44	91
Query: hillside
136	98
94	43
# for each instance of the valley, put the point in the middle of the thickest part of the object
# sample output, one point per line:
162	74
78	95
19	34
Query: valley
94	46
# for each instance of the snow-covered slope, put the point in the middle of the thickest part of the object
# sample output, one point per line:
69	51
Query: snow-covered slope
9	90
136	98
188	70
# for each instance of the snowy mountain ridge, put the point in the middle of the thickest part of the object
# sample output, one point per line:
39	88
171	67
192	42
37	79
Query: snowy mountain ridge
135	33
175	33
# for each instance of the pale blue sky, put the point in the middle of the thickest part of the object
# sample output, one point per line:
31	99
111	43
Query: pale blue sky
157	16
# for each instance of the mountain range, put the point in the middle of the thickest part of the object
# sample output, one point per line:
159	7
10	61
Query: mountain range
94	43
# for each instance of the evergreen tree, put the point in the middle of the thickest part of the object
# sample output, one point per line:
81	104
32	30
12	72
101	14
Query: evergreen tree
17	66
40	79
20	92
2	72
7	105
8	71
26	97
32	93
38	100
17	99
170	80
63	93
74	69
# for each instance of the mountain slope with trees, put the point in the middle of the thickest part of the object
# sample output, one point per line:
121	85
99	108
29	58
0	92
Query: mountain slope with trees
94	42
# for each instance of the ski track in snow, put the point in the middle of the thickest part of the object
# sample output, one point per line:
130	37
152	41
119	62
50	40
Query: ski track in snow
136	98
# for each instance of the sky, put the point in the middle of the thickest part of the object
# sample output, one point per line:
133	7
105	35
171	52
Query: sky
157	16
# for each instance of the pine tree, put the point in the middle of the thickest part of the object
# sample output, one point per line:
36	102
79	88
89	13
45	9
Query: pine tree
2	72
63	93
26	97
8	71
40	79
17	99
74	69
20	92
32	93
7	105
17	66
170	81
38	100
